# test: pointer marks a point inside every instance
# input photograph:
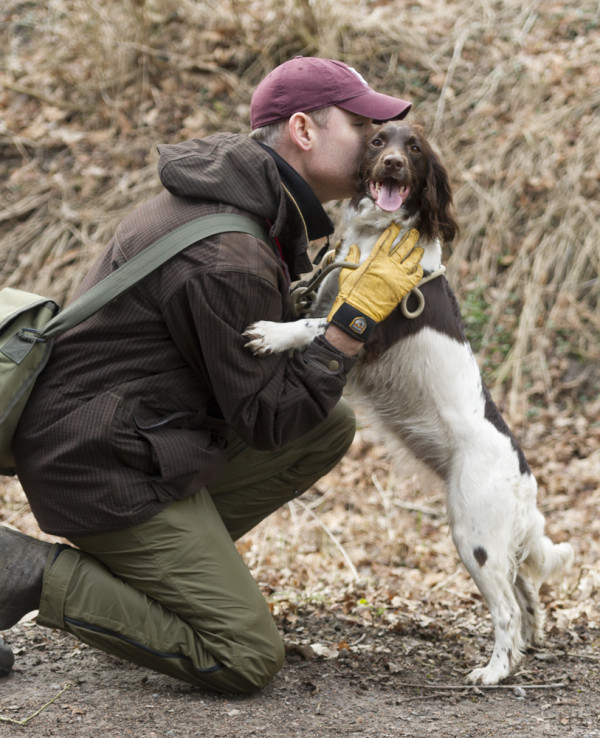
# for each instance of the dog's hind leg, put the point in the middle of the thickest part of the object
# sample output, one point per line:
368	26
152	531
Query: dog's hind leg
544	560
492	572
532	616
499	534
485	507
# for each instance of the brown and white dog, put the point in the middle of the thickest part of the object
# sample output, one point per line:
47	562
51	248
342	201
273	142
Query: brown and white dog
420	381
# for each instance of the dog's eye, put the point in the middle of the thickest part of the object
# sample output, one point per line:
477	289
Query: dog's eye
376	142
414	149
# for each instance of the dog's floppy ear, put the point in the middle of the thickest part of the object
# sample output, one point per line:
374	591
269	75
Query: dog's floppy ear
438	194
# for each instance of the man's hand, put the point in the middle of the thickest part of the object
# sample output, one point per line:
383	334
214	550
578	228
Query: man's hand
367	295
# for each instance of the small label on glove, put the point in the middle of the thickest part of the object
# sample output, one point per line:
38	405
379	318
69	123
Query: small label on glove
358	325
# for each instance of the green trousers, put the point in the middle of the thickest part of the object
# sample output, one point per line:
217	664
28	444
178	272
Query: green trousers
173	593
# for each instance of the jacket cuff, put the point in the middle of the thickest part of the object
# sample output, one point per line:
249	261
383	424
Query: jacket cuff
326	357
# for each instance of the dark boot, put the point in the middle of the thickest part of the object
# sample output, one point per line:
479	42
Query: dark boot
6	659
22	563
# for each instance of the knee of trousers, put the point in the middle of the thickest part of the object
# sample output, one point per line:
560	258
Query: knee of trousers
272	662
252	674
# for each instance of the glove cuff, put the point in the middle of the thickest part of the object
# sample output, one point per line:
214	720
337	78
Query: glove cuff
353	322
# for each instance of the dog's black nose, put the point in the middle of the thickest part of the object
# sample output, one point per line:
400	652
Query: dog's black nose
394	162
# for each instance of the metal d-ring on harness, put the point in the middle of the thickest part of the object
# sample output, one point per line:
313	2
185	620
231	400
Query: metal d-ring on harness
303	295
419	295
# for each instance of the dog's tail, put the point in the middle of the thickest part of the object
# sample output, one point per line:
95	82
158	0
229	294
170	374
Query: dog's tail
547	560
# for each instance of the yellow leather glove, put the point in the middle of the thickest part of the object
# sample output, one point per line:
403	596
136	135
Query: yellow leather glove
367	295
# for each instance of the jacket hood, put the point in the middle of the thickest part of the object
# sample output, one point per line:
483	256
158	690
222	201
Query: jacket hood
232	169
227	168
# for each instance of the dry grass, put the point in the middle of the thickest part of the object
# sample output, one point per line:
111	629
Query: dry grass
508	91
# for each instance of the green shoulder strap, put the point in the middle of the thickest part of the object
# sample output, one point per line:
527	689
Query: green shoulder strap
145	262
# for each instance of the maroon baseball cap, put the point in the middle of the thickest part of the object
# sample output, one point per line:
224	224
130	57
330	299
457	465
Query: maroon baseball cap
307	83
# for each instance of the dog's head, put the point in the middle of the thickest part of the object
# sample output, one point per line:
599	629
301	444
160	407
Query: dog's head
403	175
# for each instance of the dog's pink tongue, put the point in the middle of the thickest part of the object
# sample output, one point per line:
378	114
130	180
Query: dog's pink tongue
389	197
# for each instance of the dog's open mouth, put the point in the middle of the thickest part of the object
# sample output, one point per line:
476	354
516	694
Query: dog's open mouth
388	194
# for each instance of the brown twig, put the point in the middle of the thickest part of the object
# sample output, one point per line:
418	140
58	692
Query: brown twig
411	685
37	712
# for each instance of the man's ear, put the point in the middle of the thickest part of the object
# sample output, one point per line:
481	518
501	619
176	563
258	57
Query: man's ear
300	127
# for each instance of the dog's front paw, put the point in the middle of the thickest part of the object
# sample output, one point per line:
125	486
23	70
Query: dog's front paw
266	337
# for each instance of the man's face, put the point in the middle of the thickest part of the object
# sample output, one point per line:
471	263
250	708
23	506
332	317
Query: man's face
336	153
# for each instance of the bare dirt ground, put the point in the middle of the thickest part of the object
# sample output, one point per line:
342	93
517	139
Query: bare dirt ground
385	683
380	620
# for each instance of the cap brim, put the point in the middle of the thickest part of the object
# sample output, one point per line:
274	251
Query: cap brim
377	106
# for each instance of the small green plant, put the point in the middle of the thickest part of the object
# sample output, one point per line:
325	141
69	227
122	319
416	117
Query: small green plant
475	312
491	341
